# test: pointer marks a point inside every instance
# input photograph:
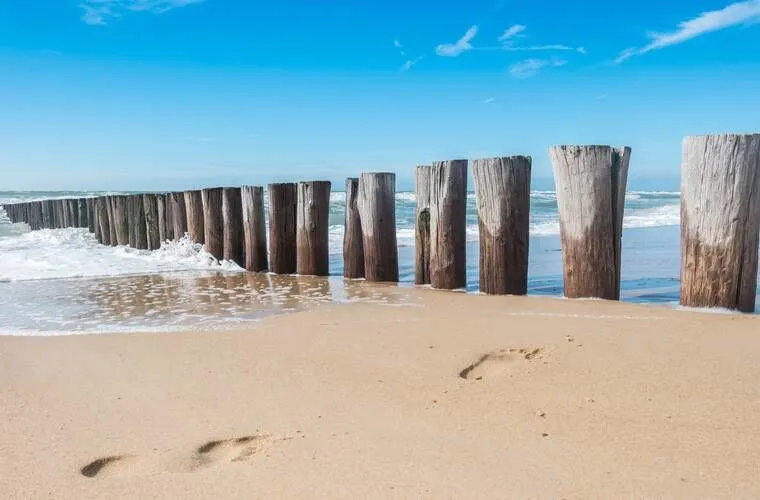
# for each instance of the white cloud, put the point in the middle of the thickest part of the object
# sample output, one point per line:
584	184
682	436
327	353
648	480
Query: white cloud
554	46
512	31
715	20
531	67
488	101
97	12
397	44
582	50
461	45
409	63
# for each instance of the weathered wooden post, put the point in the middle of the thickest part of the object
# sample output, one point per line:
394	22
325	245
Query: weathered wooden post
137	223
46	214
161	214
448	224
213	221
195	216
103	222
282	227
169	215
91	216
111	220
502	194
353	246
377	211
422	226
179	215
150	203
234	239
63	214
121	215
591	184
720	221
254	228
82	208
313	228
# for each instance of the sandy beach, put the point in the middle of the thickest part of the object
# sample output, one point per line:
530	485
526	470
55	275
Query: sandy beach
444	396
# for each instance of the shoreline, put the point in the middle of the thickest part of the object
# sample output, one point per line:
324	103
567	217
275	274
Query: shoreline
462	395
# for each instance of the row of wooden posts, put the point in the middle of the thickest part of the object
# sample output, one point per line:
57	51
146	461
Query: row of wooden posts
720	222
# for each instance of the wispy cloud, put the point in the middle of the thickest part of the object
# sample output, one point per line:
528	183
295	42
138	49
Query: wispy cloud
707	22
488	101
512	32
98	12
531	67
409	63
600	97
460	46
400	47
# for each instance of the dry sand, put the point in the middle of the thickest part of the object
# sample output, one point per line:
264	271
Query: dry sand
454	396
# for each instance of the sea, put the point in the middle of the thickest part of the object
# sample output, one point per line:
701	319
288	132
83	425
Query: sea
61	281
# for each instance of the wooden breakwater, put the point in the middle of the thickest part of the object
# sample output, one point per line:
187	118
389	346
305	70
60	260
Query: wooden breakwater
720	222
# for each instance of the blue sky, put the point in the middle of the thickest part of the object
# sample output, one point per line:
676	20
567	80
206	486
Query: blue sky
173	94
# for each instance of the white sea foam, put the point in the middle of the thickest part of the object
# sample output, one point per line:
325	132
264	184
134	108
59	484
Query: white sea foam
73	253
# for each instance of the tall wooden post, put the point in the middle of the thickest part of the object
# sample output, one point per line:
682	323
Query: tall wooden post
91	216
422	226
161	214
282	227
138	222
448	224
46	215
169	215
353	246
121	215
313	228
111	220
103	222
720	221
73	208
82	208
151	221
377	210
254	228
502	193
590	200
213	221
234	240
63	214
195	216
179	215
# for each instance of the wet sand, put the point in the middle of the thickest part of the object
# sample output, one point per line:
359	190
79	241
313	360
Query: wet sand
437	395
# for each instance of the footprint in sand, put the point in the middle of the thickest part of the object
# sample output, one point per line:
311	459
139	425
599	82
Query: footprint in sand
210	454
497	363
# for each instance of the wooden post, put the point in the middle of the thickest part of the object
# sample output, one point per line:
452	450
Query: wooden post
720	221
590	200
377	211
254	228
448	224
422	226
179	215
169	215
150	204
121	219
502	193
161	214
83	214
111	220
213	221
353	247
234	240
195	216
103	222
46	214
138	222
71	205
90	215
282	228
313	228
63	212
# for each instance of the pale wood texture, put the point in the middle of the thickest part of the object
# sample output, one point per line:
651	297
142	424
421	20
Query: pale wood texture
195	216
448	224
720	220
313	228
179	215
169	216
213	221
283	200
422	226
121	219
161	214
111	220
82	208
377	210
104	232
90	214
137	223
502	194
353	246
254	228
151	221
234	239
590	184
